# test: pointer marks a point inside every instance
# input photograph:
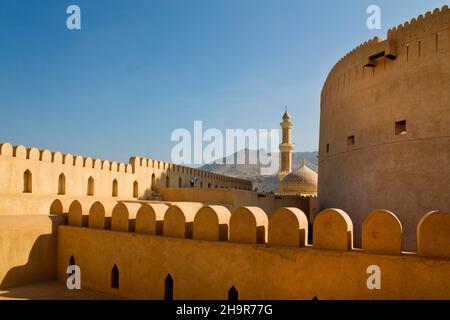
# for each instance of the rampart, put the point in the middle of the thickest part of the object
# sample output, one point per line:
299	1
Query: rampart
29	173
38	187
233	199
193	251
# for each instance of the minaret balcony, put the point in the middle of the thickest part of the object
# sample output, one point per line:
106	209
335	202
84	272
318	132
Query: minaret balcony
286	147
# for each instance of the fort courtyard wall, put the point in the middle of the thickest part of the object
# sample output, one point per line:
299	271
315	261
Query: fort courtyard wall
40	190
28	249
261	257
31	178
234	199
41	172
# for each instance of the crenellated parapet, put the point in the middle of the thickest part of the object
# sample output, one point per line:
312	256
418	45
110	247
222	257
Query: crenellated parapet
209	250
135	164
287	227
139	163
43	172
34	154
430	22
426	33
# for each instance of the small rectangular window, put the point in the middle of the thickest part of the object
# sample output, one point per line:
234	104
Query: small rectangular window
328	147
400	127
407	52
350	140
437	43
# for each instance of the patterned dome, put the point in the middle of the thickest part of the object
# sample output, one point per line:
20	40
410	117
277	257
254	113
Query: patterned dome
302	180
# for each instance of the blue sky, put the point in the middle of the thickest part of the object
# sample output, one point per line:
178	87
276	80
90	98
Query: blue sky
140	69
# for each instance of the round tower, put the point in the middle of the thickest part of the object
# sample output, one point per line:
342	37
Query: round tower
286	147
385	127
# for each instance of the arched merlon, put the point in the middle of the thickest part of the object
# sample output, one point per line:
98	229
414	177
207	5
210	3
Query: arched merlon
78	161
211	223
248	225
78	212
20	152
106	165
60	207
88	162
113	166
433	235
333	230
57	157
57	208
6	149
288	227
124	216
150	218
179	220
68	159
382	233
97	164
45	156
100	215
76	215
33	154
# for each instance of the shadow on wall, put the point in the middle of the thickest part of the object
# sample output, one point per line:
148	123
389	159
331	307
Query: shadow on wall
41	263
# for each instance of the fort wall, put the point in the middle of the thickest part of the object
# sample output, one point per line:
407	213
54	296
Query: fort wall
234	199
28	172
385	126
27	249
263	258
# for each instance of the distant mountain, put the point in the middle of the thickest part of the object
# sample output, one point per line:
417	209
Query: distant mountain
253	171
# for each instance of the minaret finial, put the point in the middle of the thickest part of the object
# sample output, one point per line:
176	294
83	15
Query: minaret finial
286	115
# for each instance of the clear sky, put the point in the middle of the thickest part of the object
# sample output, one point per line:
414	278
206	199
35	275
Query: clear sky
139	69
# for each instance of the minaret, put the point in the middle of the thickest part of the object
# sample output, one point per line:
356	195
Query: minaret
286	147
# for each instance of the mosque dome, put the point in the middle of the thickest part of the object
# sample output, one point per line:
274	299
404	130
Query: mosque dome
302	181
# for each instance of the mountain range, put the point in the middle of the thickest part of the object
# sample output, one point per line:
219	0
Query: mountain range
253	171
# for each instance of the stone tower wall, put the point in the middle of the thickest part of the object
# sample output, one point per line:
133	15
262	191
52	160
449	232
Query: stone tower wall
385	126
